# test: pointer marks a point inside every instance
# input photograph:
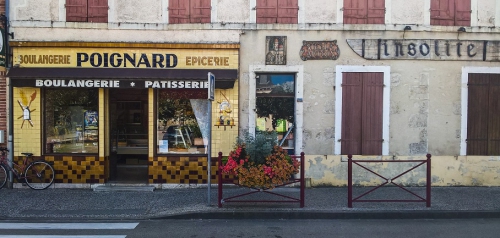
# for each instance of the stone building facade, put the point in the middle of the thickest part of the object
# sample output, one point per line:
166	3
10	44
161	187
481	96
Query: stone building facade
384	79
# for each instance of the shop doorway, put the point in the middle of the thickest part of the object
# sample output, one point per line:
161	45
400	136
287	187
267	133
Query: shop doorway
128	115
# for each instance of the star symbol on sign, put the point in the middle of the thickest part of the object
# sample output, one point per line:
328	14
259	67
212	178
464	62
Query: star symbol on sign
132	84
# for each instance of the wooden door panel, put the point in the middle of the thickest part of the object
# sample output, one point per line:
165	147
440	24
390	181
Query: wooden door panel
376	12
494	116
200	11
443	12
355	11
351	113
288	11
178	11
76	10
373	87
98	11
267	11
477	115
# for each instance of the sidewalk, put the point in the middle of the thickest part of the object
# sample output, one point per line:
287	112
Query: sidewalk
192	203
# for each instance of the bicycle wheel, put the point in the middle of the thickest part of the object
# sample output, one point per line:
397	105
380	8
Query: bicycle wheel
3	176
39	175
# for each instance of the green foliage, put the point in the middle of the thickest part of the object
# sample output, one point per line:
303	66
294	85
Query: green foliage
195	129
278	107
260	146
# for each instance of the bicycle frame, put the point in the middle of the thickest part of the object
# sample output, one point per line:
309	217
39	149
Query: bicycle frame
16	169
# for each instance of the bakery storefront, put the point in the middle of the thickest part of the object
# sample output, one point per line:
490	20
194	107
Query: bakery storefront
131	113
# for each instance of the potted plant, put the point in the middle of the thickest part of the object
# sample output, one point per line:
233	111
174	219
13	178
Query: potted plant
258	162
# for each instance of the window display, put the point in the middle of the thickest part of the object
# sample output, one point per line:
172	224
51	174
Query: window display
182	122
71	120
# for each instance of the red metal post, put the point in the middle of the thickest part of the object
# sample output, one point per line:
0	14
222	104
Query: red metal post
219	178
302	179
349	181
428	189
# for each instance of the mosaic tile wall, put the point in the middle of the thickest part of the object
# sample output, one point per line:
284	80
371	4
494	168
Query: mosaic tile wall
27	133
181	170
79	169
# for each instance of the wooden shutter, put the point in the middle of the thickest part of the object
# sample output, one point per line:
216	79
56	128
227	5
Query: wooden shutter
355	11
462	12
288	11
494	115
351	113
98	11
76	10
199	11
376	12
371	115
443	12
267	11
178	11
362	101
477	115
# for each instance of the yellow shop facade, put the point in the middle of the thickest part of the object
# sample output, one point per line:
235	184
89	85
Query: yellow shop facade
124	112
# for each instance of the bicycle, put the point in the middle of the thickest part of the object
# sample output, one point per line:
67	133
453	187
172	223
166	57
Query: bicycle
38	174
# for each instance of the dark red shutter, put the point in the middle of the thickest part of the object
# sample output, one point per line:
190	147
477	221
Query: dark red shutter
371	118
443	12
477	115
494	116
76	10
178	11
355	11
199	11
362	113
462	12
376	12
267	11
98	11
288	11
351	113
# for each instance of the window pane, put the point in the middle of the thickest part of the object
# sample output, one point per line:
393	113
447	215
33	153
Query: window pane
71	120
275	106
182	122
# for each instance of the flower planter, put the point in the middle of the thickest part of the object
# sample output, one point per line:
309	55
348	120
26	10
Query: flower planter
262	187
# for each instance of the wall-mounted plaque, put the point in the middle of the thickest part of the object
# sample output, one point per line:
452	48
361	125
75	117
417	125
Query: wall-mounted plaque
275	50
319	50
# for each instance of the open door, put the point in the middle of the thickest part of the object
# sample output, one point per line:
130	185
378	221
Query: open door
129	135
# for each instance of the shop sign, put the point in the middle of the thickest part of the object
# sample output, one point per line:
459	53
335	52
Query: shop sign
126	58
431	49
319	50
103	83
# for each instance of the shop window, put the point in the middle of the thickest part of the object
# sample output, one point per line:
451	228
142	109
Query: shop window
71	120
450	12
189	11
275	106
183	122
364	11
87	10
483	114
362	98
277	11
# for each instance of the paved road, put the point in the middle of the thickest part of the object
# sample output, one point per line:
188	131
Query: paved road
407	228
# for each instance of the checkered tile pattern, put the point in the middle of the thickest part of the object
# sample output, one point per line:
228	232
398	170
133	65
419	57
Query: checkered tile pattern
181	170
79	169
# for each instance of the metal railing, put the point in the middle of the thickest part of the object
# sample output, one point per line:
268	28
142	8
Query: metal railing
427	198
287	199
